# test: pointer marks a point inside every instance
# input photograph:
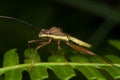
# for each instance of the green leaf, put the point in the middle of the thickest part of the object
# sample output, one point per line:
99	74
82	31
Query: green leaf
31	55
57	58
11	59
90	72
115	43
113	71
113	58
64	72
91	67
36	73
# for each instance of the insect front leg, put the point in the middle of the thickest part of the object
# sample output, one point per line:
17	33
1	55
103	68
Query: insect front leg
29	42
38	47
32	41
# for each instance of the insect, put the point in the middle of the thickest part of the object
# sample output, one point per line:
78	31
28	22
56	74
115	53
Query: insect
56	34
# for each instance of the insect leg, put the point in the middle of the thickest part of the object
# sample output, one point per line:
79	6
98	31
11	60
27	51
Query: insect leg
29	42
32	41
58	43
38	47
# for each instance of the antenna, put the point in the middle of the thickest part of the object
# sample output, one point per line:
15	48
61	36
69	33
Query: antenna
15	19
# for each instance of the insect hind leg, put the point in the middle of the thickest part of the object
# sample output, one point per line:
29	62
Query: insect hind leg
58	43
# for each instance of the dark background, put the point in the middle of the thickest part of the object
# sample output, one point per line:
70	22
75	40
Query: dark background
94	21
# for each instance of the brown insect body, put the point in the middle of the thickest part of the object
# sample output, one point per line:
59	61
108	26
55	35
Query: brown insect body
55	33
52	31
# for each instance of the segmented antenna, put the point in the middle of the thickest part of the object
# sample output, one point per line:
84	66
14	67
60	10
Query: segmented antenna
15	19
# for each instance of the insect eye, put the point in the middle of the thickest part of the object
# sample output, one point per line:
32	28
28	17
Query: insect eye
42	29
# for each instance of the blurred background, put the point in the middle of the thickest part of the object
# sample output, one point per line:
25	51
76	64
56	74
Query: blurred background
89	20
94	21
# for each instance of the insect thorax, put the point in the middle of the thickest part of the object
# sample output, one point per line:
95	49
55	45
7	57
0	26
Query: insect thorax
54	33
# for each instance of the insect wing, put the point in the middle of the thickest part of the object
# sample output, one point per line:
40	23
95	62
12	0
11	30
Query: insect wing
80	49
79	42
